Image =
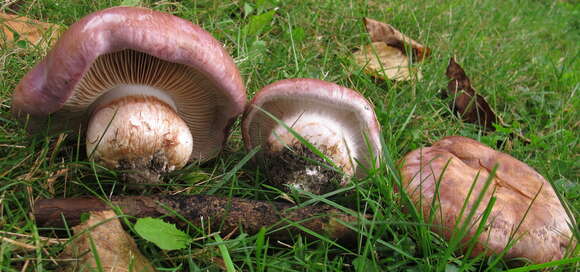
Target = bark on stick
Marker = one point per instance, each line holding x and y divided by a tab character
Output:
216	213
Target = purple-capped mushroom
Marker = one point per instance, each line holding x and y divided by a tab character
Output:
337	121
154	91
527	217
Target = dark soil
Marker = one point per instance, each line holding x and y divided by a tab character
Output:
300	168
147	170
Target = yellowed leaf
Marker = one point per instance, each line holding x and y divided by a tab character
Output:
389	55
382	32
33	31
117	250
384	61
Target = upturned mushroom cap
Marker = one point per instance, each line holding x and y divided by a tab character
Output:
456	162
188	63
335	119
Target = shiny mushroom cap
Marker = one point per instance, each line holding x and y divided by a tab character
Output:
112	63
456	163
338	121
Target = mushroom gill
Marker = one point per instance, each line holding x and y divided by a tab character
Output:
120	70
158	106
189	90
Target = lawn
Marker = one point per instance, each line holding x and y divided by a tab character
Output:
522	56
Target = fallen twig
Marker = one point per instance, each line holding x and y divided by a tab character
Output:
221	213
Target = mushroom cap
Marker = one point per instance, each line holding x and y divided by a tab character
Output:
44	91
456	162
293	97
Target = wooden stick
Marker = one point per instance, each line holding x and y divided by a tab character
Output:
218	213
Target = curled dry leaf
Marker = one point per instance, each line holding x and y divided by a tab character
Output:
15	28
387	56
381	60
116	250
381	32
471	106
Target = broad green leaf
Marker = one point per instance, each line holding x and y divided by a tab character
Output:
259	22
166	236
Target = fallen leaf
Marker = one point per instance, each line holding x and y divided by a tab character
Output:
116	250
258	23
381	32
387	56
165	235
18	28
381	60
471	106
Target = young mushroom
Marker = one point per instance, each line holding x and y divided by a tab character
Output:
337	121
154	91
527	216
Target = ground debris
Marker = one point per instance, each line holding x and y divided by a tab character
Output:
224	214
15	28
391	53
116	250
471	106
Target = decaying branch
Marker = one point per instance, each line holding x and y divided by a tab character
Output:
218	213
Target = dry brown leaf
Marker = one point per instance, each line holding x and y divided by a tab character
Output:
387	57
117	250
471	106
381	32
33	31
383	61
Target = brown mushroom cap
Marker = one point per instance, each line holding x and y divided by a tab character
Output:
324	113
456	162
189	64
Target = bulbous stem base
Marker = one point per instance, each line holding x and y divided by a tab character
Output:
140	135
293	165
300	168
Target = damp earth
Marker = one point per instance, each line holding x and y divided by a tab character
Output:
300	168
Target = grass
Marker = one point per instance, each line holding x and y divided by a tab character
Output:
521	55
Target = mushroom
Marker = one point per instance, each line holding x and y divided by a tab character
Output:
153	90
447	170
337	121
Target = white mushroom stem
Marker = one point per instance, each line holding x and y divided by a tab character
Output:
324	132
136	128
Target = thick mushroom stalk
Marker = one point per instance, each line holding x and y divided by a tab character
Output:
295	165
135	128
